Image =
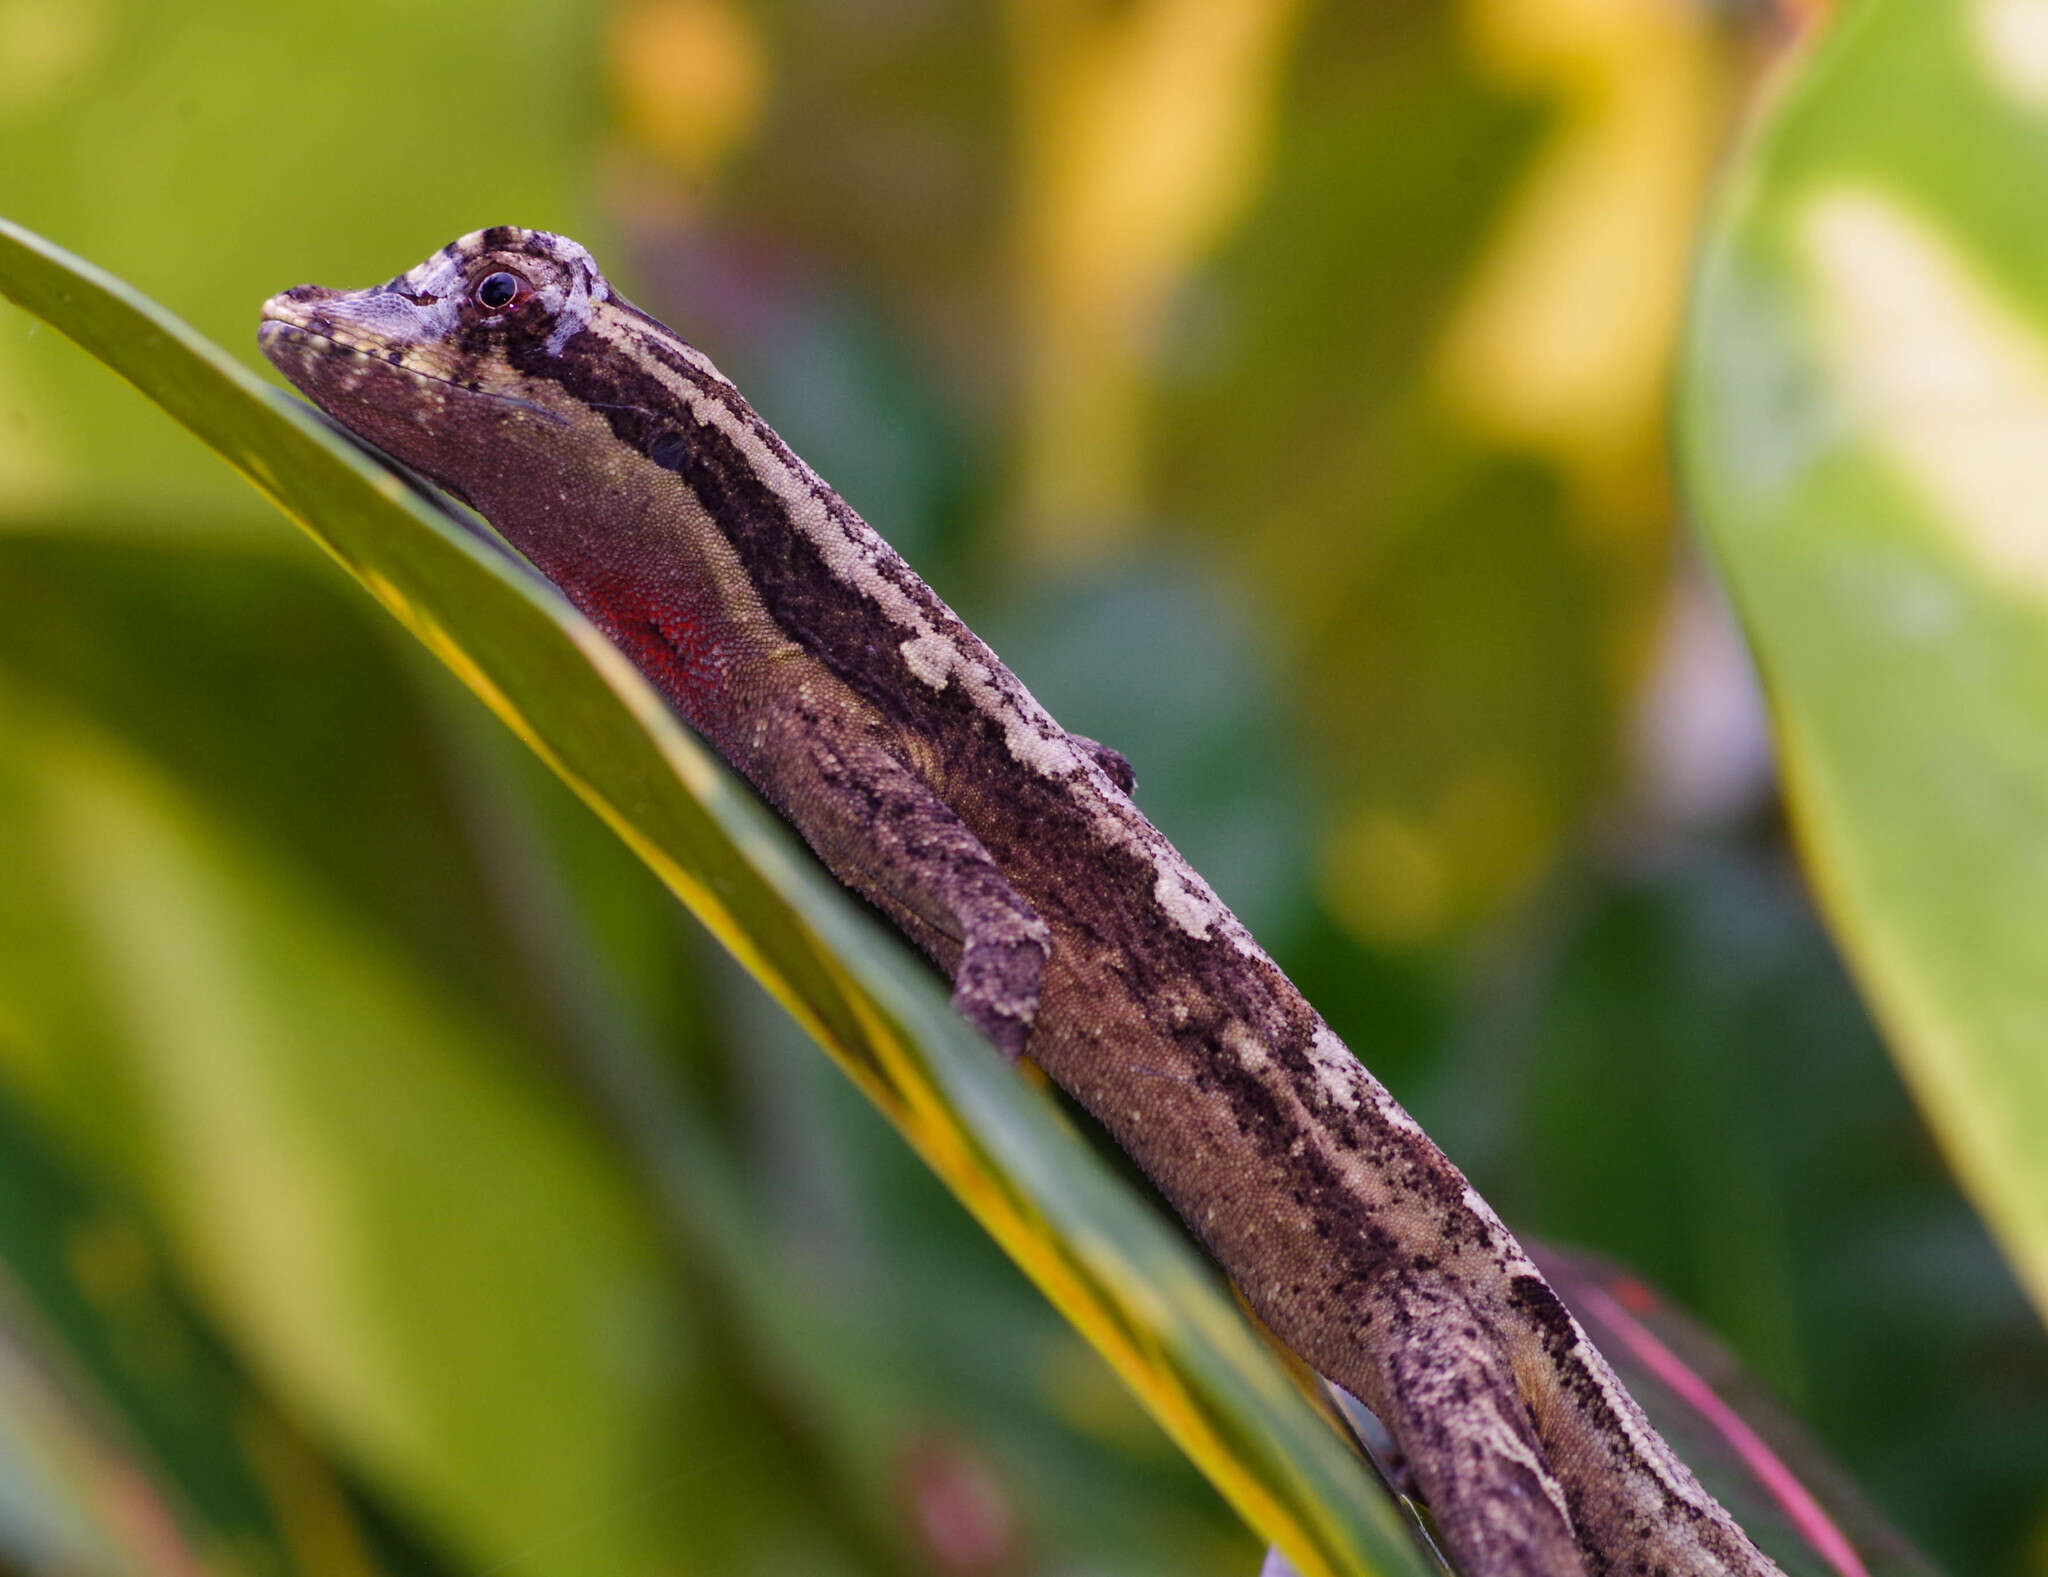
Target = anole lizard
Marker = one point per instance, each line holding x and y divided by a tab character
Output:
794	639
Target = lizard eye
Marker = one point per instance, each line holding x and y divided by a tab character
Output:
498	291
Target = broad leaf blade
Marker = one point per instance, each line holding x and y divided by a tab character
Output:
1865	415
132	1445
1105	1261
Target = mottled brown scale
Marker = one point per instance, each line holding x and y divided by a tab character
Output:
927	778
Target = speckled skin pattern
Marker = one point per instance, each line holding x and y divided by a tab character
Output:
788	633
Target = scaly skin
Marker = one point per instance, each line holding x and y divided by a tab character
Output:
616	458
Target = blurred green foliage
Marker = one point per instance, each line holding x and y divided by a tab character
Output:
1279	386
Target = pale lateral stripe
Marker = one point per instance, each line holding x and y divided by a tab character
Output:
857	556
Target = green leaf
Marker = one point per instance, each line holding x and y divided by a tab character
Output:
1131	1286
462	1287
131	1443
1865	415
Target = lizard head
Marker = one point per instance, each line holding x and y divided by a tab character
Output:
469	345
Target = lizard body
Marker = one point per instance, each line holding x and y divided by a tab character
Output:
923	773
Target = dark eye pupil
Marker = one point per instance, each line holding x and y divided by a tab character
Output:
496	290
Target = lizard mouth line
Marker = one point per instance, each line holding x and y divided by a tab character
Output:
376	358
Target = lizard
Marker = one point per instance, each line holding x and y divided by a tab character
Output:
787	632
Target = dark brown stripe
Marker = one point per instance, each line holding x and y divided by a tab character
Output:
1039	826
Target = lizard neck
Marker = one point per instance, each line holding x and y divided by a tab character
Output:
637	553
